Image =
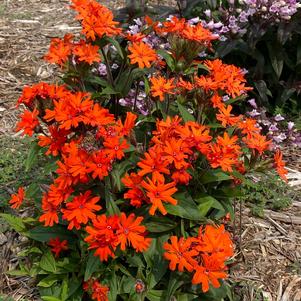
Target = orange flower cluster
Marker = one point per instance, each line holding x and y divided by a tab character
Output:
173	150
181	28
96	19
61	50
107	233
161	86
99	291
82	159
57	246
222	77
204	255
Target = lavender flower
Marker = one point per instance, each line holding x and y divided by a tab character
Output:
129	101
102	69
273	128
290	125
252	102
278	117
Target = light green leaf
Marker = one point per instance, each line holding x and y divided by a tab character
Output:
154	295
47	262
50	298
32	156
15	222
49	280
65	289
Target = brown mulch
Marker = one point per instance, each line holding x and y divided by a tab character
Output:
269	257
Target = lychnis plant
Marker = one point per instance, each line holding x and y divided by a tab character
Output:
145	155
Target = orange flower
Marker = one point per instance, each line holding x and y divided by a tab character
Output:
69	112
225	116
99	165
161	86
142	54
215	239
28	122
80	210
257	142
96	19
99	291
198	34
55	140
185	84
135	193
217	101
180	253
17	199
50	215
86	52
181	176
131	232
129	123
138	37
174	25
102	236
248	127
115	148
153	164
159	192
224	153
227	78
175	152
280	165
211	270
60	50
58	246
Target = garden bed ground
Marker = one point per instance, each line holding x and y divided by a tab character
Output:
269	257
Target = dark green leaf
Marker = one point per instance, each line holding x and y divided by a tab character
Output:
214	176
168	58
185	114
117	46
44	234
206	203
92	266
159	224
97	80
185	208
276	58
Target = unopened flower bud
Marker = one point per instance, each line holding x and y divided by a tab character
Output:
139	286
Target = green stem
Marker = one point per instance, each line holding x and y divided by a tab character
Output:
109	72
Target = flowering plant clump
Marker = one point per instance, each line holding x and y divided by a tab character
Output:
145	154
